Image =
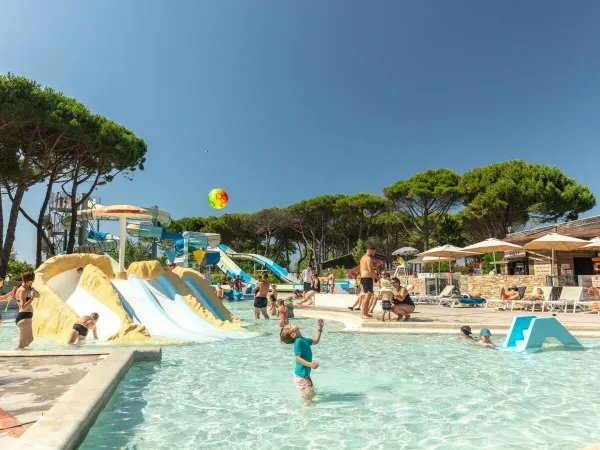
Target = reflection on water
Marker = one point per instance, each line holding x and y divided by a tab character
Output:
373	390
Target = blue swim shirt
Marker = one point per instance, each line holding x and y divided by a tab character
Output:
302	349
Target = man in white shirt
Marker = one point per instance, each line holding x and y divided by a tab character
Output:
307	278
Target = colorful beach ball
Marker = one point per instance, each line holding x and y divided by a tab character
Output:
217	198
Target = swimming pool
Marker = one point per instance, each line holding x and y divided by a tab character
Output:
376	391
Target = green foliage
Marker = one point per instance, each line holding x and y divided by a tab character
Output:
488	260
359	250
134	251
449	231
506	196
426	198
340	272
16	268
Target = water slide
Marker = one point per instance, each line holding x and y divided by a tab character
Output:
277	270
163	316
150	303
231	269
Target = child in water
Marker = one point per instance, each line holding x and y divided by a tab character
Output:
485	338
273	300
282	311
290	334
466	333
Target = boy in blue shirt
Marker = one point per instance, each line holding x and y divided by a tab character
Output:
290	334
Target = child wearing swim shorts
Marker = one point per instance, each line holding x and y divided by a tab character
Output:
290	334
387	294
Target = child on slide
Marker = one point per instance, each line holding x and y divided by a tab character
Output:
290	334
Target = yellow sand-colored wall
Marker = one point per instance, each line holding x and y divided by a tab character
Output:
54	318
149	270
94	281
208	290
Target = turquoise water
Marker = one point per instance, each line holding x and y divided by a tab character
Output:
375	391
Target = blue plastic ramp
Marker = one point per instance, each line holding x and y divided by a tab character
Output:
528	333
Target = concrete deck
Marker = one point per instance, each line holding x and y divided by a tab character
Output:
50	400
433	319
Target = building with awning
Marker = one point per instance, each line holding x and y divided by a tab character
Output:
572	263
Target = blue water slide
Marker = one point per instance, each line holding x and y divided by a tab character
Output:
203	298
230	268
277	270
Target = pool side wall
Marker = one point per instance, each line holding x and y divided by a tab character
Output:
67	424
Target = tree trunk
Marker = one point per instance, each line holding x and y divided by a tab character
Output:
73	225
1	220
38	252
10	228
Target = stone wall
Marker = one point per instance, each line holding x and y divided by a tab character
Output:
489	285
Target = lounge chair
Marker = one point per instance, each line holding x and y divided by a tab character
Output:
520	289
470	301
569	295
443	296
593	305
547	290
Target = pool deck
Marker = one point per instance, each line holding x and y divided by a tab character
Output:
50	400
433	319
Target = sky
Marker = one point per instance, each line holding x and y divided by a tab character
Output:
297	99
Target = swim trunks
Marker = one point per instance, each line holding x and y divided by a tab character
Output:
81	329
367	285
260	302
386	305
307	286
302	382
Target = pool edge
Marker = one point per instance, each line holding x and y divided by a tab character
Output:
66	425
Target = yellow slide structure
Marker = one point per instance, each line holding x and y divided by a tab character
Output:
196	278
65	295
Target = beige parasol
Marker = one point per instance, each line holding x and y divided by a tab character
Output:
492	246
555	241
593	245
447	251
121	212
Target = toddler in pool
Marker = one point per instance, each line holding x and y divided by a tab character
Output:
485	338
290	334
282	312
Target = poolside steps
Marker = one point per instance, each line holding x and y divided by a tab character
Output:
528	333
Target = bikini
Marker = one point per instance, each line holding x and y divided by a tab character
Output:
21	315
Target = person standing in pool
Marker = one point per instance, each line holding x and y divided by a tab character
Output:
290	334
82	327
367	279
260	300
24	320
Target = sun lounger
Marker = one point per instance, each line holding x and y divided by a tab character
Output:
568	296
505	303
593	305
468	301
443	296
547	290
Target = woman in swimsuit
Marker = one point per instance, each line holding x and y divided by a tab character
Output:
330	280
81	328
402	304
25	295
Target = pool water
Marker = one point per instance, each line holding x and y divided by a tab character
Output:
375	391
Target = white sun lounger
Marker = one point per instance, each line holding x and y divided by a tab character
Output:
585	304
568	295
547	290
443	296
